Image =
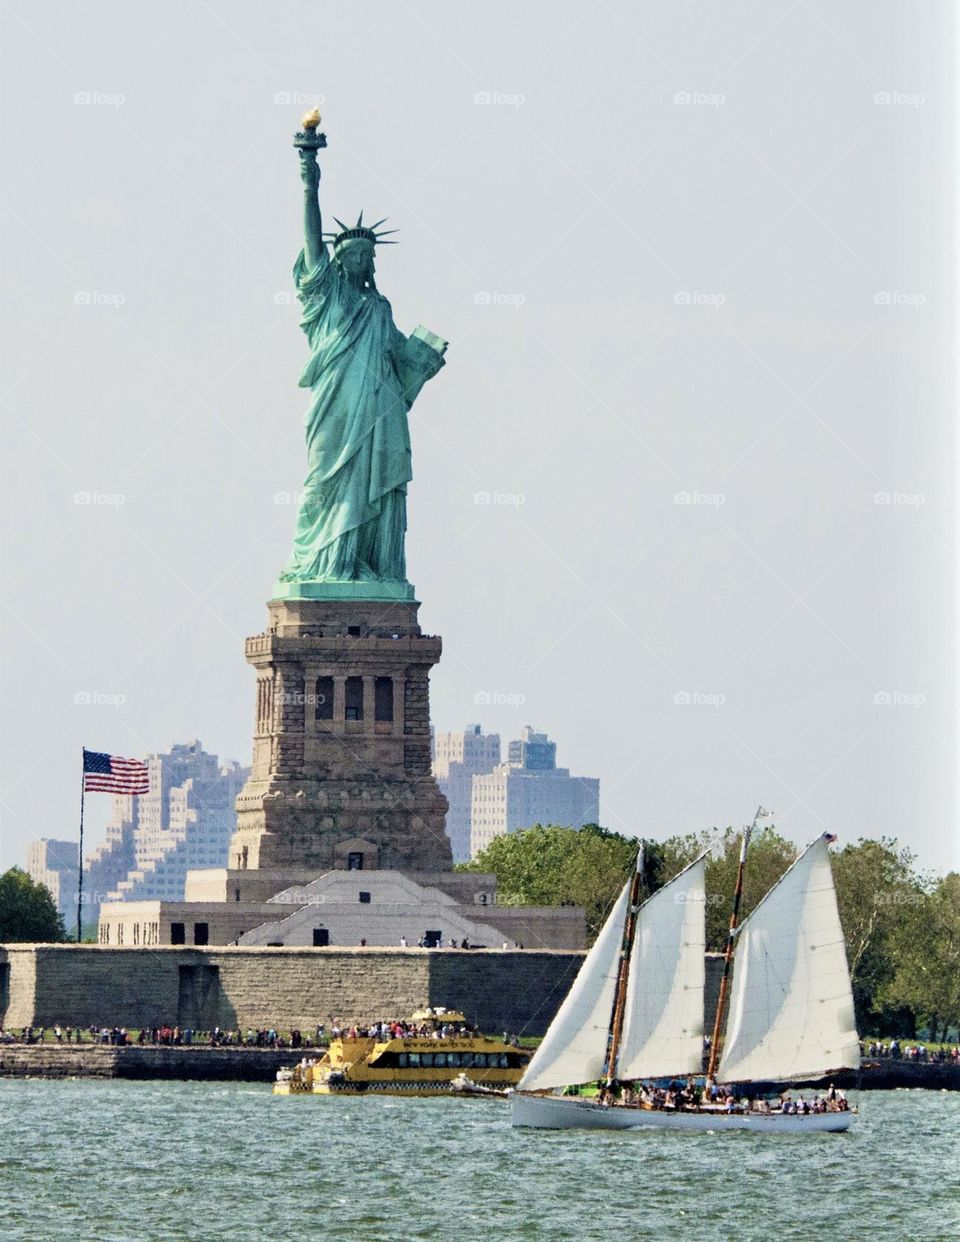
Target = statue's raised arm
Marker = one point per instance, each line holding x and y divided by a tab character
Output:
312	222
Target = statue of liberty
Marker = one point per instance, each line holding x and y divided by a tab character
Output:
363	375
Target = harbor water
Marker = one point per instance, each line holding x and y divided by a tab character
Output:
120	1161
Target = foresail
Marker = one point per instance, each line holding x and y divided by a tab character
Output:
791	1013
663	1018
574	1049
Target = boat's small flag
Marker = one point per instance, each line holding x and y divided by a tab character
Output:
113	774
830	838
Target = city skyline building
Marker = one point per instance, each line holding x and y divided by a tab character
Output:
458	757
55	865
185	821
529	789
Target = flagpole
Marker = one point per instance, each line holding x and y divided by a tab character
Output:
83	757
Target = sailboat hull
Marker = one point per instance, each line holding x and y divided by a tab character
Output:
570	1112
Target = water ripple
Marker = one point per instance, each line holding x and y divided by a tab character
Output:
182	1162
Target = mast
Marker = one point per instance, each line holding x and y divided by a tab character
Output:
623	975
728	951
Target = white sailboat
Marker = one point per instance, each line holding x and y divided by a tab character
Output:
791	1013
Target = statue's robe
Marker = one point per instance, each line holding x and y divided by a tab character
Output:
364	375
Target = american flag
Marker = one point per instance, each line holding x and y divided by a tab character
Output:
111	774
830	838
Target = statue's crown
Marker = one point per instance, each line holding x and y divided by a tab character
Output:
361	232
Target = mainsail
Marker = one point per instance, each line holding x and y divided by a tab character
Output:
792	1009
574	1049
663	1017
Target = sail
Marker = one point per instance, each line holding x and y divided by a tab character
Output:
574	1049
791	1014
663	1015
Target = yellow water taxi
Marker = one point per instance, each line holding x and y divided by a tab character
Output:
433	1052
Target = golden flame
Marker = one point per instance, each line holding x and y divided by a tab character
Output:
311	119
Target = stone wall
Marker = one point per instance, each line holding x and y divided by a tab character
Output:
84	985
176	1064
254	987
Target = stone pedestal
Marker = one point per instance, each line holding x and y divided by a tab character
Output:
341	755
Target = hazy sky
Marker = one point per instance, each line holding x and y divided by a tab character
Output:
683	252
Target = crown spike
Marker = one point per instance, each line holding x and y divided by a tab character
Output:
361	232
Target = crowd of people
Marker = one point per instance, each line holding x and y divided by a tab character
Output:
894	1050
693	1095
162	1036
434	942
401	1030
264	1037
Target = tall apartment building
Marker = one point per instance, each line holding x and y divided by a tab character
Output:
185	821
529	789
457	758
55	865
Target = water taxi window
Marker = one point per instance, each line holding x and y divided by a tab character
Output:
426	1058
413	1058
402	1060
439	1058
502	1060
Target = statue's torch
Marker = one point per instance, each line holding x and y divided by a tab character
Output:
309	138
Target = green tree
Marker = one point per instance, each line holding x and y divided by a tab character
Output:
549	866
876	887
768	858
925	952
552	866
27	911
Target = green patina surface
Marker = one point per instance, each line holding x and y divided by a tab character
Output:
363	375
